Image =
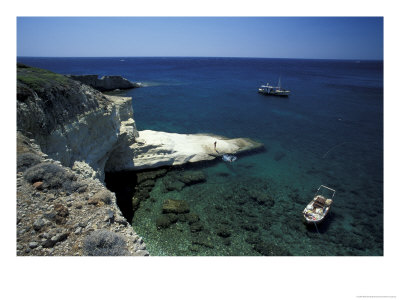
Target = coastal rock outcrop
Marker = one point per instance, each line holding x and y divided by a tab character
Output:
105	83
68	136
153	149
72	122
93	133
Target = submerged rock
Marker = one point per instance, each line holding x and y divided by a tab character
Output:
192	177
175	206
147	184
150	175
269	249
223	231
192	218
202	240
196	227
176	182
182	218
135	203
171	184
165	220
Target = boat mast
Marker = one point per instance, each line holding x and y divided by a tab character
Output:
279	82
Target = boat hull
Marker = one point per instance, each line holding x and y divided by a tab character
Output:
279	94
311	221
310	218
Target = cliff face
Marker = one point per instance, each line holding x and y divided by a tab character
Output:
60	212
72	122
93	133
105	83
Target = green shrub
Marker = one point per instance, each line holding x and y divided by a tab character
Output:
27	160
38	78
105	243
52	176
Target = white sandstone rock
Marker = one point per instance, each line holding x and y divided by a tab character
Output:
155	148
87	143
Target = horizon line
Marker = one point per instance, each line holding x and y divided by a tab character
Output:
173	56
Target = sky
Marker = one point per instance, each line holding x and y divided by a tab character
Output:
270	37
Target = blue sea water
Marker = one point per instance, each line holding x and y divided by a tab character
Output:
329	131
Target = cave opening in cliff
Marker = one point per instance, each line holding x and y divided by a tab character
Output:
123	184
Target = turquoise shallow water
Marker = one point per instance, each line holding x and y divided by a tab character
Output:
329	131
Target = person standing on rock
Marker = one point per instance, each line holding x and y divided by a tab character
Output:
215	146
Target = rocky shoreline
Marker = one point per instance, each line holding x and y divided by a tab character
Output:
154	149
54	219
69	136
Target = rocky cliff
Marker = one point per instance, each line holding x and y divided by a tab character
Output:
105	83
69	135
60	212
72	122
62	207
93	133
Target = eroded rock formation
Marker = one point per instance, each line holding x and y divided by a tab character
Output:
92	133
72	122
105	83
69	135
153	149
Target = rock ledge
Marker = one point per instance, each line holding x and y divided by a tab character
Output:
105	83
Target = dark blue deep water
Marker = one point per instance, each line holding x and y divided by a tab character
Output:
329	131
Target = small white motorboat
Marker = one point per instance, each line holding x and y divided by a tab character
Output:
229	158
319	207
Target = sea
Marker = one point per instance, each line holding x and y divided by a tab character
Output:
329	132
